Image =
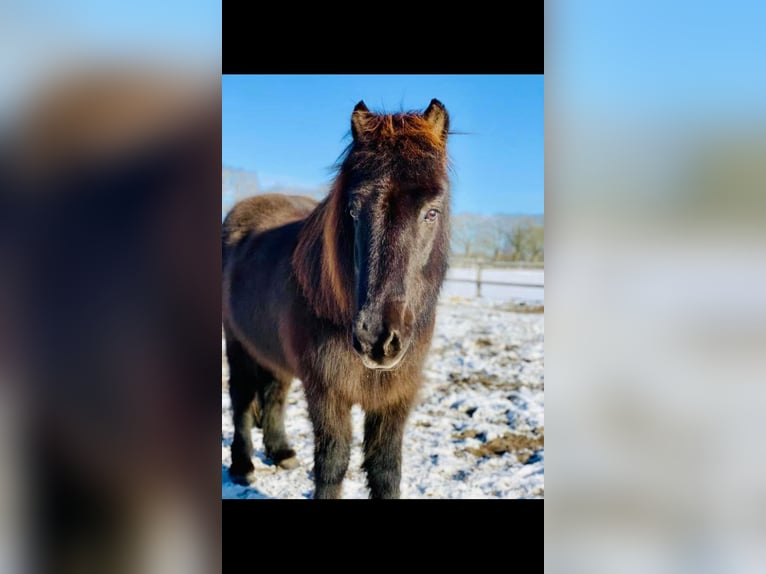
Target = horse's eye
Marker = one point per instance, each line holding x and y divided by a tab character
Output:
353	212
432	214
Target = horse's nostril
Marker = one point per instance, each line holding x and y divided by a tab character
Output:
364	327
393	345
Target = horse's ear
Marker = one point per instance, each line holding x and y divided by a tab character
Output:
359	117
437	117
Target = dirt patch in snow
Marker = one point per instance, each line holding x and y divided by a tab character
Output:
522	445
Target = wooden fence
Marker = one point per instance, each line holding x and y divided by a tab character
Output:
481	266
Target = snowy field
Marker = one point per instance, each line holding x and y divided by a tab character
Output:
478	429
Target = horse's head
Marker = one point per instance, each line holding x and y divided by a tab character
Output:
397	202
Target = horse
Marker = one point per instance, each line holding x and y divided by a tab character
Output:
341	294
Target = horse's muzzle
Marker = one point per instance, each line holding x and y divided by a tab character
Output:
380	345
386	353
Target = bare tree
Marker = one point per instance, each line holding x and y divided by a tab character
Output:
522	241
464	235
517	242
535	243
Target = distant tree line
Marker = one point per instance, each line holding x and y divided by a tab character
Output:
492	237
499	237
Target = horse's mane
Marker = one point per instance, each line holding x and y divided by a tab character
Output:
322	267
322	260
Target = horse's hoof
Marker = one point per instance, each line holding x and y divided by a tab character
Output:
289	463
284	458
246	479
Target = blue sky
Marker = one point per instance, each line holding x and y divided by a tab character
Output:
291	129
191	28
659	61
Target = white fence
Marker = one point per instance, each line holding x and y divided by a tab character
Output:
495	280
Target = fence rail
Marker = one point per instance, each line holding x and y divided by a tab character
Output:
479	281
497	264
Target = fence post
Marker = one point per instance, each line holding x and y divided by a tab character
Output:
478	281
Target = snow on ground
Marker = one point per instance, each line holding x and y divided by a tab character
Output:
477	432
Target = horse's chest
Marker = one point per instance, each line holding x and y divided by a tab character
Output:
377	389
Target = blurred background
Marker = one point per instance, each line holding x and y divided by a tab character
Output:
478	430
656	308
109	157
655	213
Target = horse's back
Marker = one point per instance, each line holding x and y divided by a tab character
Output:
259	236
260	213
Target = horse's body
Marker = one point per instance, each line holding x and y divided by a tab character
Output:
342	295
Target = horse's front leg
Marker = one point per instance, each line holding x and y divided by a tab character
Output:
331	418
383	433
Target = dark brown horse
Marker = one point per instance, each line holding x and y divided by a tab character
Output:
341	294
